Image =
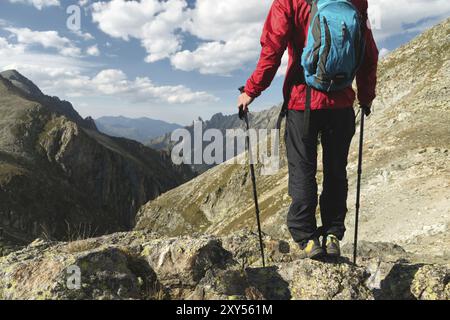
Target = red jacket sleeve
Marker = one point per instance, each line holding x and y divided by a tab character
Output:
366	78
274	40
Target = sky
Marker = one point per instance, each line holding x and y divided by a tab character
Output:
173	60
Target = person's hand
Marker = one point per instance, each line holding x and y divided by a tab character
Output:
244	101
367	109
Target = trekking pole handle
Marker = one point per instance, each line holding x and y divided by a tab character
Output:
242	113
366	110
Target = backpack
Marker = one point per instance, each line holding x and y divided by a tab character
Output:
335	45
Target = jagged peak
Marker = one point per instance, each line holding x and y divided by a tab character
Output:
21	82
90	123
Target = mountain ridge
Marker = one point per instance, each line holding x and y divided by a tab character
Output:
59	175
265	119
141	129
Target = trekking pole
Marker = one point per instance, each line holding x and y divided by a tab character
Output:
358	186
244	116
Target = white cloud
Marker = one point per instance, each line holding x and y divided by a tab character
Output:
220	20
93	51
70	83
39	4
229	31
69	77
152	22
10	50
393	18
217	57
84	35
46	39
113	82
41	68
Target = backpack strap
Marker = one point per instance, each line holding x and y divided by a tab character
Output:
307	114
284	107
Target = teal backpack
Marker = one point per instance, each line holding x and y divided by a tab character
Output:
335	45
334	51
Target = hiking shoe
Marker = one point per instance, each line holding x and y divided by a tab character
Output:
313	249
331	245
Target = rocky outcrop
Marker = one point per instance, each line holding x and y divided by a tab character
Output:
61	178
139	265
401	275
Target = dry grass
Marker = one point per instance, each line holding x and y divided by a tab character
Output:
81	231
80	246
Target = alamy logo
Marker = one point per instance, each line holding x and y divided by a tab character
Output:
214	147
73	278
73	22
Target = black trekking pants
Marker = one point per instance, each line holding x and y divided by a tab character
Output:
336	129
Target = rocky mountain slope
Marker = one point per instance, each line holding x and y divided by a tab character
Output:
260	120
406	177
140	265
60	177
142	129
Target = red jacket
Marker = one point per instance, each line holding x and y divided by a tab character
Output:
287	22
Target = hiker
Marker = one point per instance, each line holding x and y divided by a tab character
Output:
318	103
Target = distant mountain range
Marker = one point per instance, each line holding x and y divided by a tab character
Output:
265	119
141	129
